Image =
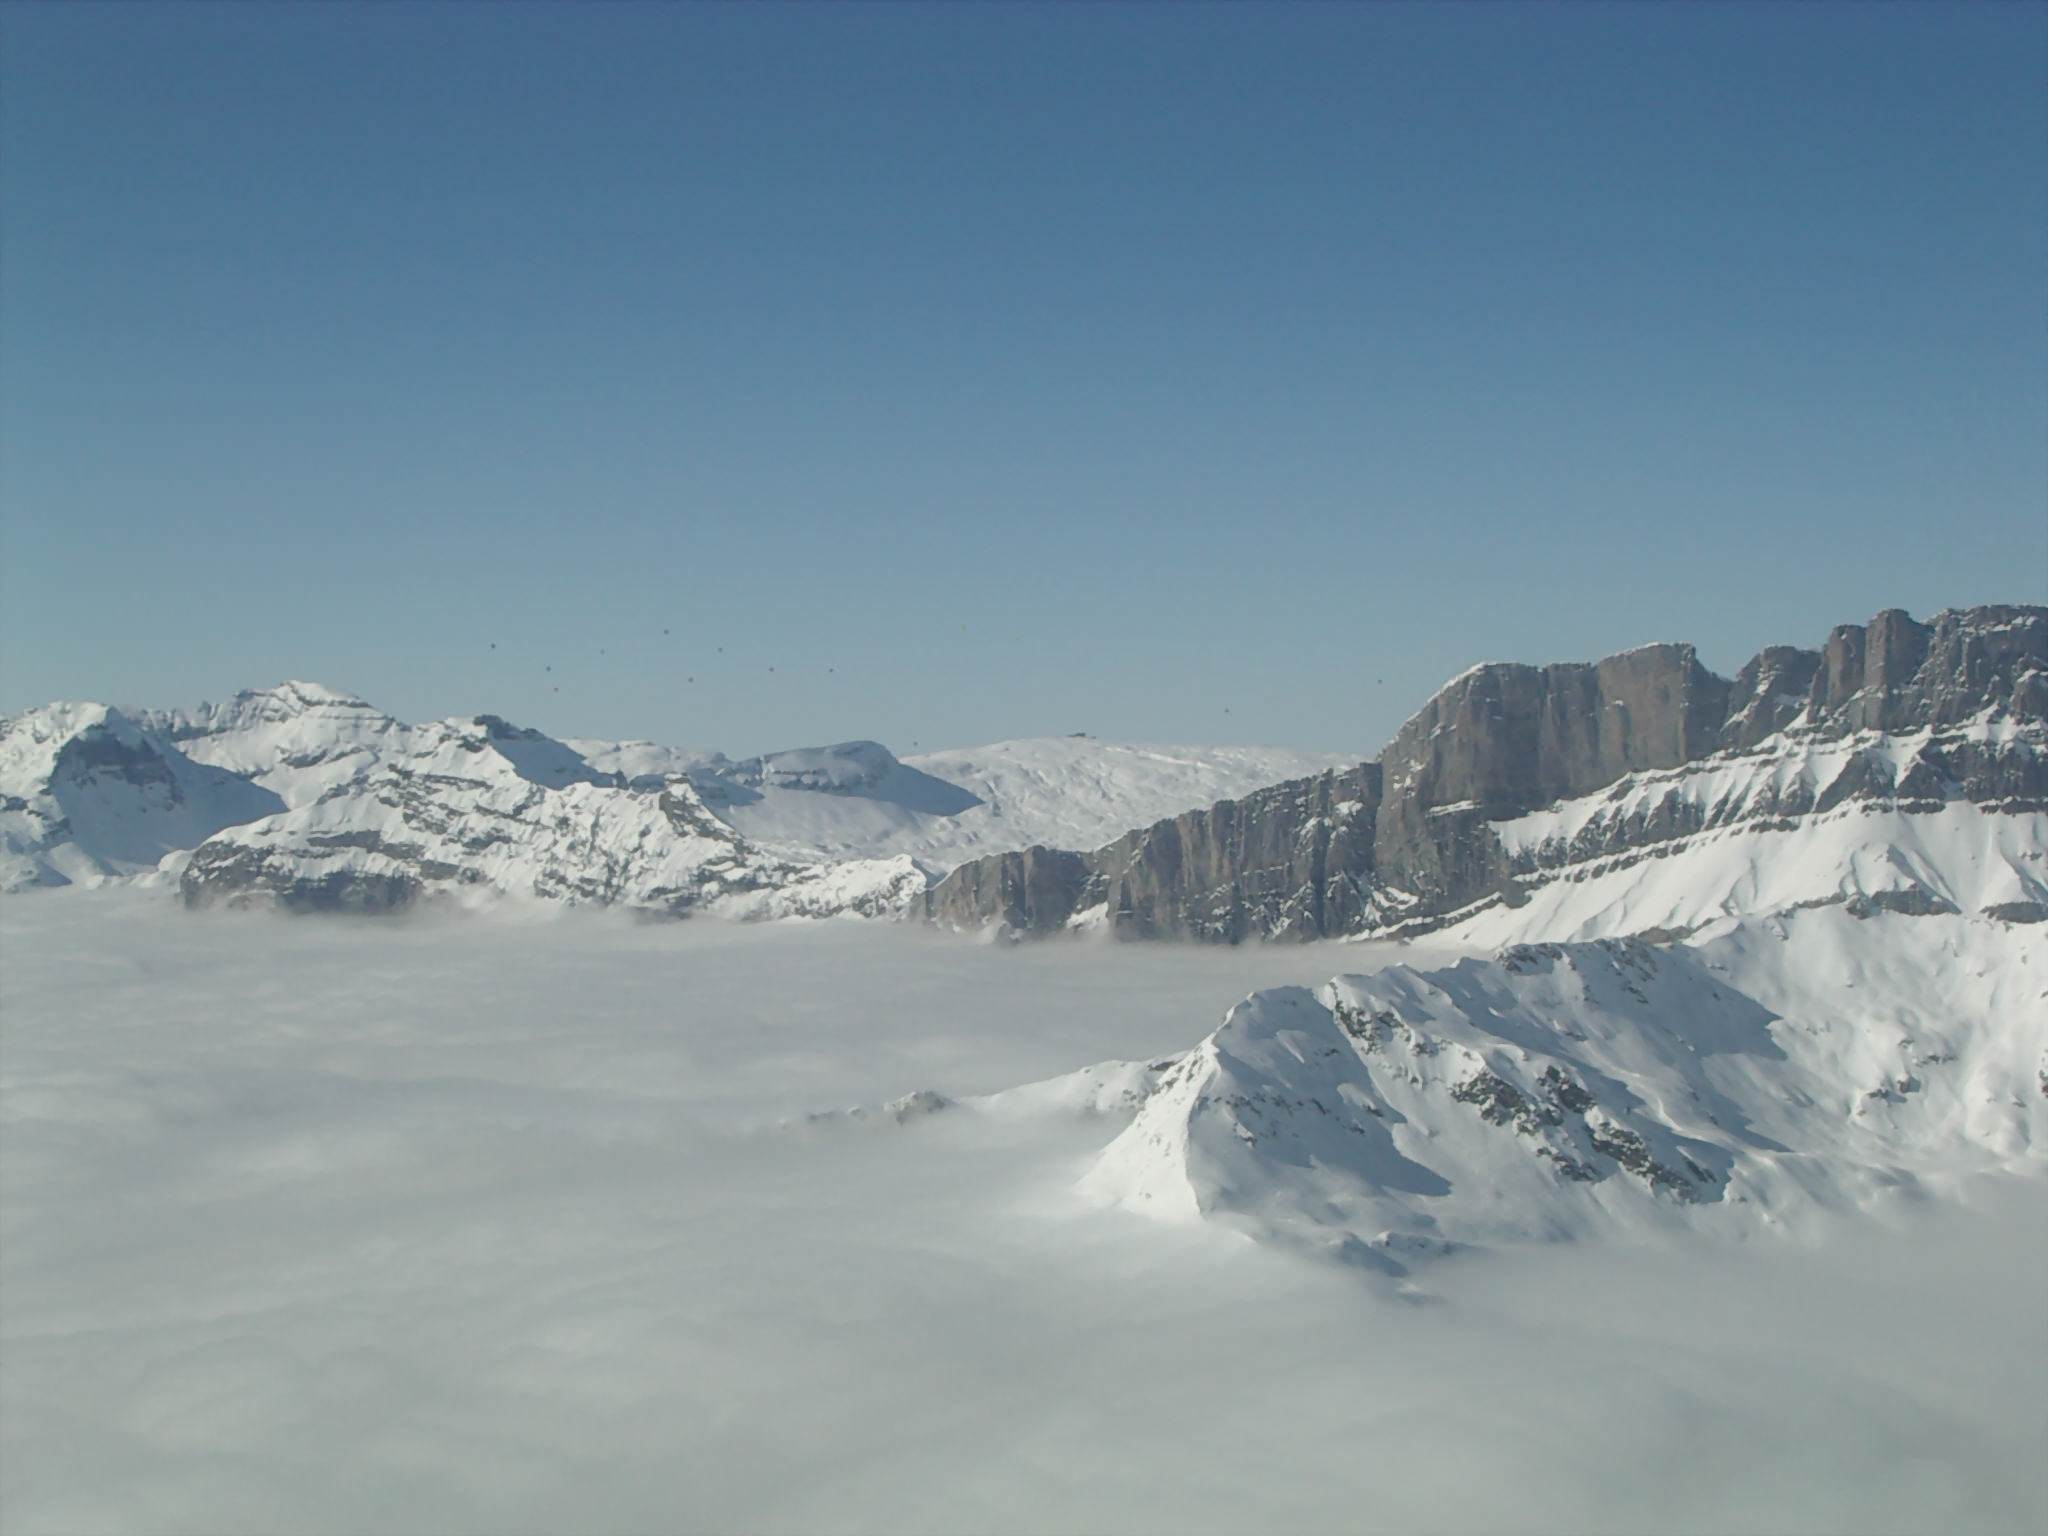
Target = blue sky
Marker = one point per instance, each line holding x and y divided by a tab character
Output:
1179	373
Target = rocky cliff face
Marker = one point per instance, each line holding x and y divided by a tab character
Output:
1652	747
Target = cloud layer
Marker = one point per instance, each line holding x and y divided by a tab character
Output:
466	1226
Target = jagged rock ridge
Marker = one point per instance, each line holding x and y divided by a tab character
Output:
1642	755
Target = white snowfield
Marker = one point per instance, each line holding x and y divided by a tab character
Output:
1962	858
87	793
1070	792
1749	856
298	740
857	800
1808	1061
1564	1090
486	813
309	755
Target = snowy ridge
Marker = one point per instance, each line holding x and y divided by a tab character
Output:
480	809
1869	820
1901	764
1077	792
300	745
88	795
1861	856
299	740
1562	1090
858	800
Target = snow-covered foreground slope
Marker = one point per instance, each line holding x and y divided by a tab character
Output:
1609	1087
444	1226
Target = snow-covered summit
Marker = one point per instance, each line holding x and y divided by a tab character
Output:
300	744
298	739
478	810
87	794
1558	1090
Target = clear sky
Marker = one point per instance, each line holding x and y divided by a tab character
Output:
1164	372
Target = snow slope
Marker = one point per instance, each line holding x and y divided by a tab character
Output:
1865	855
1758	831
1077	792
87	795
299	740
479	809
857	800
300	744
1809	1059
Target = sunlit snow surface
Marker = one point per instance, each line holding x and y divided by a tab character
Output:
450	1225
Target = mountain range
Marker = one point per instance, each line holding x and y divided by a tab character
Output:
1898	764
1648	946
311	798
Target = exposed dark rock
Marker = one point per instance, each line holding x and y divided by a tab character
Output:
1409	841
1034	891
1633	1153
2018	912
1501	1103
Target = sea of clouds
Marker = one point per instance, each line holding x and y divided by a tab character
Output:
445	1225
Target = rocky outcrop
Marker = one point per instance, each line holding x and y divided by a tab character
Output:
1037	890
1895	674
1287	862
1652	746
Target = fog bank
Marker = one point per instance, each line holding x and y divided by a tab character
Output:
469	1226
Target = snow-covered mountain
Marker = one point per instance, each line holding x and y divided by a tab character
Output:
363	810
1555	1090
87	794
857	800
297	740
1713	952
1811	1058
480	808
1901	763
